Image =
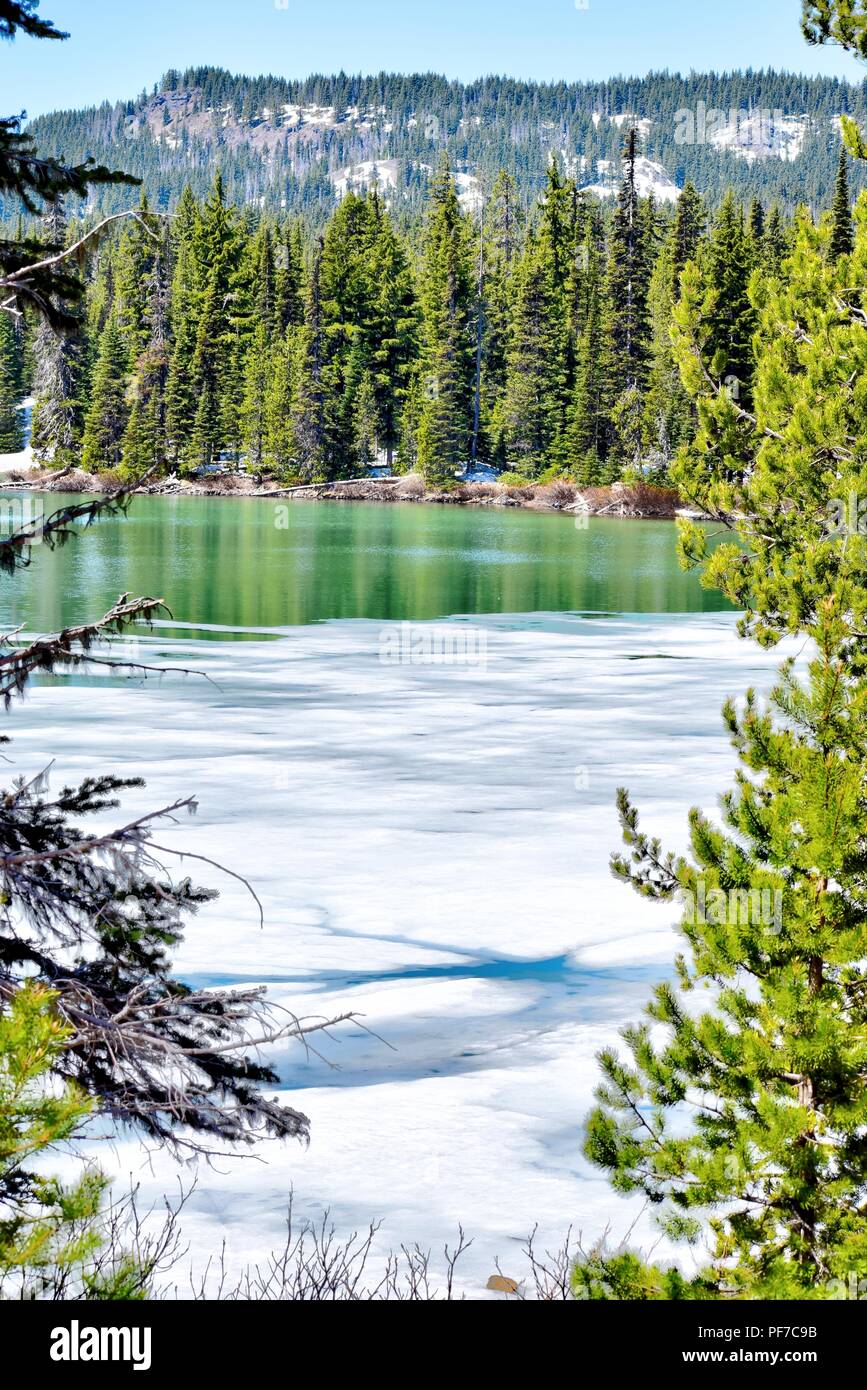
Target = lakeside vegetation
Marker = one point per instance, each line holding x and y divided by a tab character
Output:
547	345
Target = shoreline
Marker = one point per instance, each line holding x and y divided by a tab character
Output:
642	501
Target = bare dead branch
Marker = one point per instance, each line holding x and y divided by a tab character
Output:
71	647
16	279
55	529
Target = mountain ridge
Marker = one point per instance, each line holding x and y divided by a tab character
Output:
298	145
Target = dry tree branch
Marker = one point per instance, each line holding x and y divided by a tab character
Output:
16	275
72	647
204	859
126	835
55	529
19	281
130	1030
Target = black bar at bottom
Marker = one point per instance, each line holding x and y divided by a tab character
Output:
59	1341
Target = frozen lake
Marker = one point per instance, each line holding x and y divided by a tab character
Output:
430	842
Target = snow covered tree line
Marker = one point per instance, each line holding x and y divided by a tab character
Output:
540	342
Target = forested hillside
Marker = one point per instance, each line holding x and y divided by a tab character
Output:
539	340
298	146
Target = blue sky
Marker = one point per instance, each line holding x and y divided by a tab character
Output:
119	47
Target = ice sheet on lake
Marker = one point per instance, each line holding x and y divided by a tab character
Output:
430	844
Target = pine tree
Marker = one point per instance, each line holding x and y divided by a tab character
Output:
11	434
307	411
590	415
264	278
289	290
502	236
728	316
843	235
253	329
689	225
108	411
775	241
629	275
280	451
57	366
530	414
254	408
145	443
49	1231
366	421
558	256
215	365
800	441
393	331
668	412
139	449
775	924
99	306
295	435
347	312
775	905
407	447
556	228
756	226
136	257
306	406
478	329
180	397
447	355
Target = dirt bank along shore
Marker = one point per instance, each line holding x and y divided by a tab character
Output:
618	499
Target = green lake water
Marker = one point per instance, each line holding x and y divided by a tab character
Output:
248	563
429	842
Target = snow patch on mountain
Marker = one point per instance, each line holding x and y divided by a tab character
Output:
470	195
370	173
762	135
625	118
650	178
296	116
383	175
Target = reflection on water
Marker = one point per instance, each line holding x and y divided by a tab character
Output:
218	560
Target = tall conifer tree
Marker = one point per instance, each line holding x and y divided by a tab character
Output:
57	365
531	413
108	411
843	233
11	434
447	357
629	274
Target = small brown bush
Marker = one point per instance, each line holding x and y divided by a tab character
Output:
642	499
557	494
77	481
649	497
411	488
110	480
228	482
